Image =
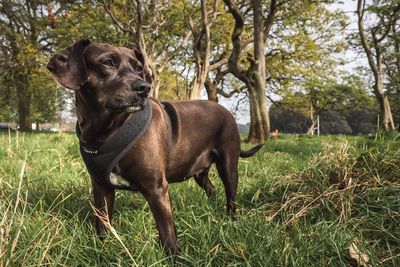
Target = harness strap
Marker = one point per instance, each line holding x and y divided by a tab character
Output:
101	160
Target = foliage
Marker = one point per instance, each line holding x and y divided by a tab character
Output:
328	94
332	100
305	45
7	99
334	122
23	76
288	120
72	21
173	87
362	120
302	50
356	121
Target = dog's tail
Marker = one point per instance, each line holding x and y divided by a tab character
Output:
251	152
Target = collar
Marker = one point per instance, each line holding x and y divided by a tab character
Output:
101	160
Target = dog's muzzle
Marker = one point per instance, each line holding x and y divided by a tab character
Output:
142	88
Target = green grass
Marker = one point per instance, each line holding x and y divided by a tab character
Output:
301	202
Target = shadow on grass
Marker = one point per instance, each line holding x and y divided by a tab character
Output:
69	200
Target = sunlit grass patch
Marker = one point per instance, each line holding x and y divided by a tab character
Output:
301	202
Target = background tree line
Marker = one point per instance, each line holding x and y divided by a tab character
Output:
278	56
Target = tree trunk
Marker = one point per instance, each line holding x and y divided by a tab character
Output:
262	108
252	136
388	122
311	129
211	89
385	112
24	103
155	85
200	78
197	85
261	128
259	123
201	51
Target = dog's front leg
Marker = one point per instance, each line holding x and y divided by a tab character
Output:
104	204
158	198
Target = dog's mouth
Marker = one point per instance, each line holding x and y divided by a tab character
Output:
125	107
128	108
127	104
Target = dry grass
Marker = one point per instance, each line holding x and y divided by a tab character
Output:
323	201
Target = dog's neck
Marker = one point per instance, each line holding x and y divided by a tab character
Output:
95	122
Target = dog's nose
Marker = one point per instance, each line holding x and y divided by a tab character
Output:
141	87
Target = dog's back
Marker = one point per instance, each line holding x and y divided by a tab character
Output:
200	131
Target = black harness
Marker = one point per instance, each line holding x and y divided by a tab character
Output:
100	161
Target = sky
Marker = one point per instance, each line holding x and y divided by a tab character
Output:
353	59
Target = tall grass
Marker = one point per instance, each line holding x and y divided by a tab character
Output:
322	201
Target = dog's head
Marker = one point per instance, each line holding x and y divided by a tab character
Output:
115	77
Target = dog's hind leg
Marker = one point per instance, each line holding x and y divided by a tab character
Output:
204	182
227	170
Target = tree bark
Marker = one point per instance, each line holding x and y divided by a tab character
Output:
211	89
387	121
313	118
257	130
260	72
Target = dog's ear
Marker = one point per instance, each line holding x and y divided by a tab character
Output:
146	71
69	67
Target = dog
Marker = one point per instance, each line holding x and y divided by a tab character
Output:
182	140
275	134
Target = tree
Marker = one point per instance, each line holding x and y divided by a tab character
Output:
334	122
392	59
203	52
323	95
288	120
254	75
362	120
46	97
69	21
372	40
8	101
295	45
21	24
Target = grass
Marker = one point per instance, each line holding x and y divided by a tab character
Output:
321	201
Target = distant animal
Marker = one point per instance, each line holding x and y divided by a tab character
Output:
275	134
155	143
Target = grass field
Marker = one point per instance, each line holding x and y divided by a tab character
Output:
321	201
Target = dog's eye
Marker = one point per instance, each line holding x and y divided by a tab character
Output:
138	67
108	62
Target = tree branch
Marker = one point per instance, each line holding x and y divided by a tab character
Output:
360	13
233	61
122	26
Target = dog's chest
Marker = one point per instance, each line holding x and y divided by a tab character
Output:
119	181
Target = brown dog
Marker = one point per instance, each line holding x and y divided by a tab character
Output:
182	141
275	134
